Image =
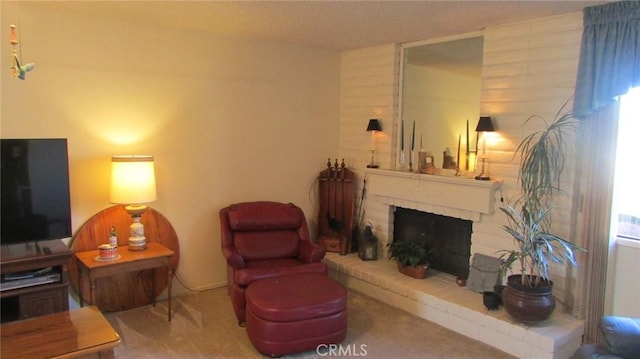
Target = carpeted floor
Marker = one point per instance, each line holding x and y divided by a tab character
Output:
203	326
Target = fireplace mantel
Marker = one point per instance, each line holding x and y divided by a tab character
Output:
450	196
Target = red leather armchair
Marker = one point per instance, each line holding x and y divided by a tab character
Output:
263	240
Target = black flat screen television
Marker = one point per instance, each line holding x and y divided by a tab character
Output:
35	198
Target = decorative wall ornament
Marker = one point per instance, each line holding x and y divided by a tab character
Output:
19	70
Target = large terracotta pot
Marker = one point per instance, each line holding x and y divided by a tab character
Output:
419	272
528	304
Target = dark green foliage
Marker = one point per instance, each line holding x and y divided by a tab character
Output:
410	252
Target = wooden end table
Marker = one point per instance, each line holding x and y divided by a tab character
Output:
68	334
155	256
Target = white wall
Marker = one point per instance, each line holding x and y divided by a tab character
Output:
528	68
369	89
227	120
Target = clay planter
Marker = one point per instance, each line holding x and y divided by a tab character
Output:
418	272
528	304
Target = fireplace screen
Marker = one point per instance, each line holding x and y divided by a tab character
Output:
449	237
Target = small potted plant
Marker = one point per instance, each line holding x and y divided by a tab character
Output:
412	255
527	295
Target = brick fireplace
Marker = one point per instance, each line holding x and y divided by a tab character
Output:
454	197
449	238
437	298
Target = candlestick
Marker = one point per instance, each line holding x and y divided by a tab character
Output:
413	136
458	158
476	143
468	151
411	161
421	142
402	135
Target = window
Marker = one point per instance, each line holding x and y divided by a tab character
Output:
626	203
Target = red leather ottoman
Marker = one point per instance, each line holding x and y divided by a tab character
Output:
295	313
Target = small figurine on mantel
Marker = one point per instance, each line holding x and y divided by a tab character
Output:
447	160
426	162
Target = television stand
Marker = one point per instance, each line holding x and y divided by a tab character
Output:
34	298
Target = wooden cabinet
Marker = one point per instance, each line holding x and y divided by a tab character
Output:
337	188
39	299
44	301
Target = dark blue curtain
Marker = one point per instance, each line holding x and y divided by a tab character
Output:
609	57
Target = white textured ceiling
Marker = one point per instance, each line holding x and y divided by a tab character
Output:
336	25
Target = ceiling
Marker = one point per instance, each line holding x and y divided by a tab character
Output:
338	25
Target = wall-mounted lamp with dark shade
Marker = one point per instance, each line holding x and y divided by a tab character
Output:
485	124
373	126
133	183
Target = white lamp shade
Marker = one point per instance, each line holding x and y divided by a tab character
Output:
133	180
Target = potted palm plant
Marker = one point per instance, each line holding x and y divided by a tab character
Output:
527	295
413	256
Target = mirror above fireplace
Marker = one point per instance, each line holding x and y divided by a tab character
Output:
440	91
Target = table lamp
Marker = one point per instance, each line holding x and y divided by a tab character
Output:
133	183
373	127
485	124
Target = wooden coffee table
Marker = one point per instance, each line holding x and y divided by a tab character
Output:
61	335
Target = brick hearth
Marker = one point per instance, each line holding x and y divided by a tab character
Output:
438	299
